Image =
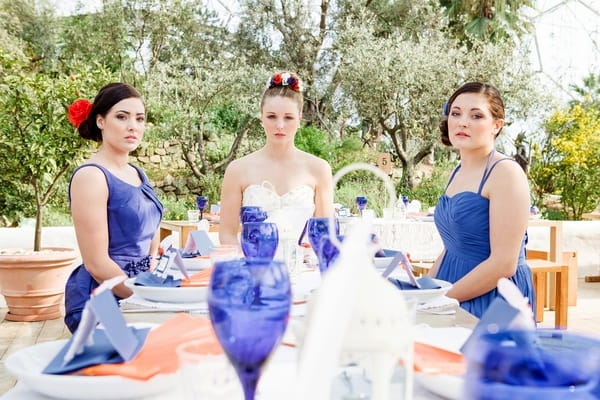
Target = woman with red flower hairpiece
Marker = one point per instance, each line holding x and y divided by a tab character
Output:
115	211
279	176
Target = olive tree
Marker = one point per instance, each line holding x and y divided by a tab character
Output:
398	84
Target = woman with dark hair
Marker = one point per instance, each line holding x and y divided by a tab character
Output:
279	176
115	211
482	215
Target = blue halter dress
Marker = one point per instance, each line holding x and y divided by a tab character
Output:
134	214
463	223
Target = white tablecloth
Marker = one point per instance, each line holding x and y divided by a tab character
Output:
418	237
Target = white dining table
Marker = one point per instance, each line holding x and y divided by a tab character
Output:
279	374
418	237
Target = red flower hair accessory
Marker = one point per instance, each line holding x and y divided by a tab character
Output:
285	79
79	111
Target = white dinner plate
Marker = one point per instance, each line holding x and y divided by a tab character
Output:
448	387
27	365
193	294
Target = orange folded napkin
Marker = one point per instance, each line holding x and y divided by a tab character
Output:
158	355
434	360
200	278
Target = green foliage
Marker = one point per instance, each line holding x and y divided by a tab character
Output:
361	184
490	20
34	130
176	209
568	162
315	141
429	190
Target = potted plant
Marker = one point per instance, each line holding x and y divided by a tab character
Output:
39	148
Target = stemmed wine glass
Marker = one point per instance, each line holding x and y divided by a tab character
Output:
329	252
316	229
259	240
249	304
201	203
361	203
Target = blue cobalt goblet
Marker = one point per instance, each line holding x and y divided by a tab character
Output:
249	304
253	216
329	252
259	240
361	203
249	208
315	228
201	203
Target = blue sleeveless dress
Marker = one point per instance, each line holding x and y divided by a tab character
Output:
463	223
134	214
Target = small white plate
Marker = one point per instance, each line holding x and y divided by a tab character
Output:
27	365
382	262
192	294
424	295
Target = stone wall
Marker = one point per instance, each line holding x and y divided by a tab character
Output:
166	168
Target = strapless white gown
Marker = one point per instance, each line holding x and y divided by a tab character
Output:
289	210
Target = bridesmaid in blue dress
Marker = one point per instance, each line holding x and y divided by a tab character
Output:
482	215
115	211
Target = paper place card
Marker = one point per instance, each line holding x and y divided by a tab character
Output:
198	244
498	316
169	257
102	308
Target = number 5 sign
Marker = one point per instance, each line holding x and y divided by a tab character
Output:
384	162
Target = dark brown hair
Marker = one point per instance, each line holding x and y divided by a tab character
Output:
106	98
494	99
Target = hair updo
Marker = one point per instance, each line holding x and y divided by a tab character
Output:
106	98
284	84
496	105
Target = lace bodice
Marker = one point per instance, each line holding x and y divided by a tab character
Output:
267	198
289	210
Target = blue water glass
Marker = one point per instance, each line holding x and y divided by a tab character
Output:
534	365
361	203
253	216
201	203
315	228
328	253
405	201
249	208
249	304
259	240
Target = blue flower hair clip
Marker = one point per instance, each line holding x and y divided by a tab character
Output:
446	108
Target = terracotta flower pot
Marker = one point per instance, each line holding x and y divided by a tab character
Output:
33	284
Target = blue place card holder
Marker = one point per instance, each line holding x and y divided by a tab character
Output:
101	308
198	244
498	316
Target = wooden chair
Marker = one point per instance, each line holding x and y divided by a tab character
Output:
540	270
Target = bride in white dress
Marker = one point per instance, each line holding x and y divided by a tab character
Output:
286	181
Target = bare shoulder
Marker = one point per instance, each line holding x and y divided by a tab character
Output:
89	174
507	174
242	163
509	168
89	181
316	164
